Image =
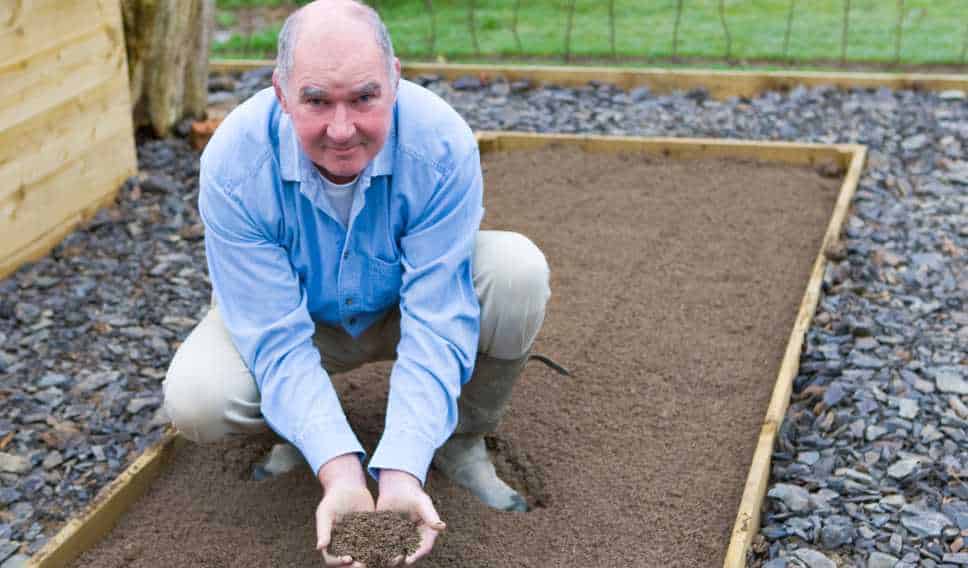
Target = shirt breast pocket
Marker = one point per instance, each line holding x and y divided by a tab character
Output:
382	284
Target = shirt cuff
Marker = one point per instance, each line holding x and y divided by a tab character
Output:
406	451
322	442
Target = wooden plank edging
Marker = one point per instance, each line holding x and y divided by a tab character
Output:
792	153
748	516
82	533
720	84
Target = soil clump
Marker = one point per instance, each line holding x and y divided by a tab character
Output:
375	539
675	285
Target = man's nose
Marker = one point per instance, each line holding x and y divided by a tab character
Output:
341	128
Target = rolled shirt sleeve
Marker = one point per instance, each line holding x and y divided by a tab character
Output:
265	310
439	323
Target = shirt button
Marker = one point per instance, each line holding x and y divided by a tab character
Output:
346	254
352	321
349	301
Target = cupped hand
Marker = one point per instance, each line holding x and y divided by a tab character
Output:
401	491
344	491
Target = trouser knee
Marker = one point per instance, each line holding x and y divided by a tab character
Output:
511	277
209	392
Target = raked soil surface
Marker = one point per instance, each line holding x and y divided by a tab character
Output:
674	289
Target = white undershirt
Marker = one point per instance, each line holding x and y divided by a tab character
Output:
341	197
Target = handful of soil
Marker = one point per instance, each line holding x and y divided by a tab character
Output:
374	539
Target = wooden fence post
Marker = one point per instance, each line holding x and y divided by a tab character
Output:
729	39
611	26
789	27
675	29
964	45
843	35
571	22
433	28
898	31
473	27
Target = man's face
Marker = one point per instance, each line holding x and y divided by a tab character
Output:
340	99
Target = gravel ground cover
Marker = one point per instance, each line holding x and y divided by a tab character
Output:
871	458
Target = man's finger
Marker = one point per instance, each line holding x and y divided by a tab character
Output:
428	514
335	561
427	538
324	528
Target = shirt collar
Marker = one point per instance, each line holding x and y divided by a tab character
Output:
294	165
289	150
383	162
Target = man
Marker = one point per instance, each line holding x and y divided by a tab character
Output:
342	210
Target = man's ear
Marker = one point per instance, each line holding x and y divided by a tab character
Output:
280	93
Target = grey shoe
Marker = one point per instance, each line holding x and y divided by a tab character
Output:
282	458
463	459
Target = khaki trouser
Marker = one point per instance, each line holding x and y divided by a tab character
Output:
210	393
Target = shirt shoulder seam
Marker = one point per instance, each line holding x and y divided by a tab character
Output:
438	166
230	187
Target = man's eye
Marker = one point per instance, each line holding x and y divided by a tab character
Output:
364	98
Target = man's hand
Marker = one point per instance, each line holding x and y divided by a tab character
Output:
344	491
401	491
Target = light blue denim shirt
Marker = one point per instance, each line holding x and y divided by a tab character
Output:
280	261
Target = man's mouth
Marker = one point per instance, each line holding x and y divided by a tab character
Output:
342	148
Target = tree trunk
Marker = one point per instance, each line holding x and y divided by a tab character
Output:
167	43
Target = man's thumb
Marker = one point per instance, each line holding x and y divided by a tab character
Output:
324	526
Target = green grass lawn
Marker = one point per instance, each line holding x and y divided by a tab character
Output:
933	31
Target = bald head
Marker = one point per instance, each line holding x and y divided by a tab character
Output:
327	16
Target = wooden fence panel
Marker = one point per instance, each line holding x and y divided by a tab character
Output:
66	139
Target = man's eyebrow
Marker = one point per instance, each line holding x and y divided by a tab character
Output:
312	92
370	88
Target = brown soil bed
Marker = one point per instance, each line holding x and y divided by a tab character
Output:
674	289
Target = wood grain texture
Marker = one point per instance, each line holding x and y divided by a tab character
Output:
46	24
32	210
41	245
61	135
30	87
66	138
167	47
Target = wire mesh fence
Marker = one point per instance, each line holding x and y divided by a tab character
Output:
730	31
